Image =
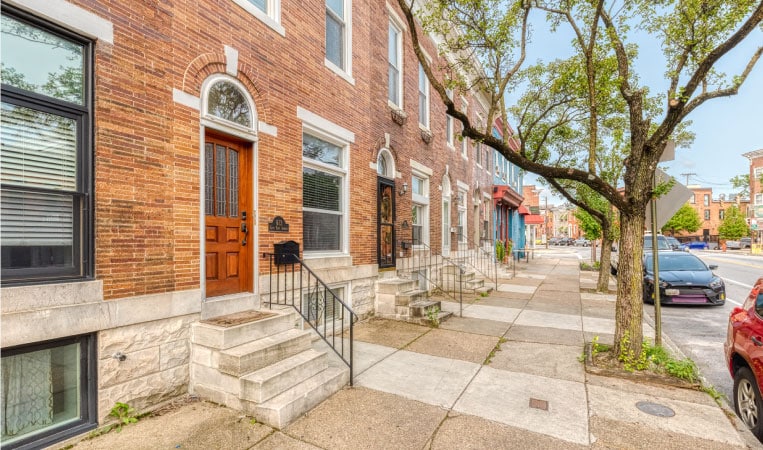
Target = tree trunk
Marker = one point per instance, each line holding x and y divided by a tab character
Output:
630	269
604	264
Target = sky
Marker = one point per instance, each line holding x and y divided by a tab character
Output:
724	128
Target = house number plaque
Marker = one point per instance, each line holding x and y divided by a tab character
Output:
278	225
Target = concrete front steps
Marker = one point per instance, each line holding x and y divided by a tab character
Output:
401	299
471	283
259	363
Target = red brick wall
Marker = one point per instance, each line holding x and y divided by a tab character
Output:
147	188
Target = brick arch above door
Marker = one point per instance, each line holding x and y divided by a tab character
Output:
206	65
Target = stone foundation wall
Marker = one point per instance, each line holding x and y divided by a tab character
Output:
363	297
155	368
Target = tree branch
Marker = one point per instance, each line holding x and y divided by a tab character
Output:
734	90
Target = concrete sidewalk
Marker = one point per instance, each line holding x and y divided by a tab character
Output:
504	375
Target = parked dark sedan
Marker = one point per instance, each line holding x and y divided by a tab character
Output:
684	279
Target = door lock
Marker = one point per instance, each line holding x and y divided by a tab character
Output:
244	228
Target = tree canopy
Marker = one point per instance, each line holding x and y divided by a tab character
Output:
685	219
570	100
734	225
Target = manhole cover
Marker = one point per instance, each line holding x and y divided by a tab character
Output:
655	409
238	318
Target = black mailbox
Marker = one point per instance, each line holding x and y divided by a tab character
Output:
286	252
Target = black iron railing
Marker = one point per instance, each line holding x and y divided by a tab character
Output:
479	256
434	272
294	284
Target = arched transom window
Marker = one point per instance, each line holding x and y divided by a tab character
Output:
385	165
226	101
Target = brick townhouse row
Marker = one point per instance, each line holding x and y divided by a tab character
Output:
153	153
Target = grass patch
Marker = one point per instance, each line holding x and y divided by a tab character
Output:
590	267
653	363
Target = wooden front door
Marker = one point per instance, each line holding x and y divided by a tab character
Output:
228	213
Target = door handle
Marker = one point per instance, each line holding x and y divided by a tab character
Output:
244	230
756	341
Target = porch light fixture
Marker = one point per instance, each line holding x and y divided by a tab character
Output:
404	188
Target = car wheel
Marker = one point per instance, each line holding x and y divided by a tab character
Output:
747	402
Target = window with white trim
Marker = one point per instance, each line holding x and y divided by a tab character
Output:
385	165
324	204
449	123
420	209
423	98
462	228
45	222
337	33
464	146
478	153
706	200
758	171
759	199
395	64
267	11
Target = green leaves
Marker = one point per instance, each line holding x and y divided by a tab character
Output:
685	219
734	225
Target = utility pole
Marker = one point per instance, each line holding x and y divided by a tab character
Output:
687	175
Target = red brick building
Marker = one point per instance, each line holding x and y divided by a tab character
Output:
155	154
711	213
756	192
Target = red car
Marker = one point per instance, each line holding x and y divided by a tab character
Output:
744	356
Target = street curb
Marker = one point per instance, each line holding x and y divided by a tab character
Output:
727	408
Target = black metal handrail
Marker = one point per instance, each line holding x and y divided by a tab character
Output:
294	284
431	266
479	257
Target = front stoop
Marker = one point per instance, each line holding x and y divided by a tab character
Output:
401	299
471	283
264	367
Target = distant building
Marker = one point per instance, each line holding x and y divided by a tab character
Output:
534	230
756	191
711	213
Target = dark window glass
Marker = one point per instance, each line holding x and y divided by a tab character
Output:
322	231
233	181
47	389
260	4
321	190
209	177
227	102
321	195
220	190
335	32
321	151
39	61
45	155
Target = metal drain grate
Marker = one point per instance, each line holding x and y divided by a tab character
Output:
655	409
539	404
